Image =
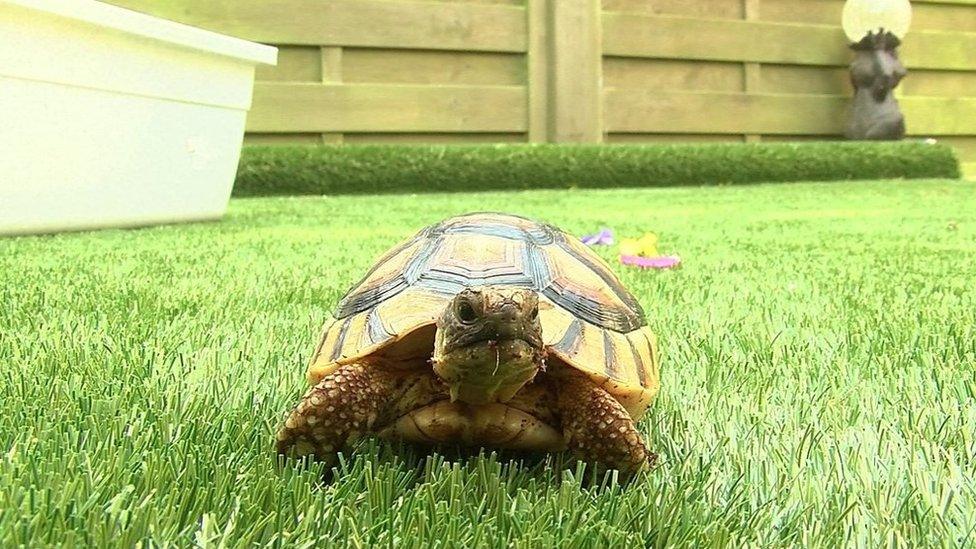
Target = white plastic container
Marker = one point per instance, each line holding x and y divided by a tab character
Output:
111	118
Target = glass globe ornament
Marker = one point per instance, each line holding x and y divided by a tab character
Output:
863	17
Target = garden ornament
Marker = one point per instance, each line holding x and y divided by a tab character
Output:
486	330
875	73
875	29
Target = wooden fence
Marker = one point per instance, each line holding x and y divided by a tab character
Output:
579	70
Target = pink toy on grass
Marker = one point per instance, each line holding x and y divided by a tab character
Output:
635	252
659	262
642	252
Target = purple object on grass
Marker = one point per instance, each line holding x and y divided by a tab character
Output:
602	238
660	262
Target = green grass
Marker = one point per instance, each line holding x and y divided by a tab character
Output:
368	169
819	383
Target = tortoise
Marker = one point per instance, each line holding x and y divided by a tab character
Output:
485	329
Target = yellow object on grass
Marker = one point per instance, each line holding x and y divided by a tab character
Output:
645	246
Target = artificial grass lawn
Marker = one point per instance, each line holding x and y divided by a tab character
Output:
818	383
369	169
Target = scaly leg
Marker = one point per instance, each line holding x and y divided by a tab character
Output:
344	405
598	429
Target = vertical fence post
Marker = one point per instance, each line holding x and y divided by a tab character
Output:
575	71
331	74
537	73
752	71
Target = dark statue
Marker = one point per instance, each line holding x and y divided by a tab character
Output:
875	72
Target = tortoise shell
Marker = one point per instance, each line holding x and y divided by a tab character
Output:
590	321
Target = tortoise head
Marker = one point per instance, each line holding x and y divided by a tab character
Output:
489	343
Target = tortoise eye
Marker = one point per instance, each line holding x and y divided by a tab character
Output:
465	312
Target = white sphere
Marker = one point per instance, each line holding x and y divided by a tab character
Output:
864	16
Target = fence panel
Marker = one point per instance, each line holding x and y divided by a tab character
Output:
414	71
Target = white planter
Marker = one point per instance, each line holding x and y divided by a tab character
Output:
109	117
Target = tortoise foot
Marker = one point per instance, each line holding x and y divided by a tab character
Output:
337	410
599	430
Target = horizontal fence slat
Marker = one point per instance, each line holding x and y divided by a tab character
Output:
939	115
822	12
366	23
940	83
397	66
432	138
787	138
946	17
427	26
282	139
673	138
939	50
642	111
299	107
730	9
504	2
671	74
630	34
805	79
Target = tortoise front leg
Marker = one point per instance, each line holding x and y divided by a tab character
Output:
341	407
598	429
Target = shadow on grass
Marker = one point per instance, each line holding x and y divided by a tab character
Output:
434	464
